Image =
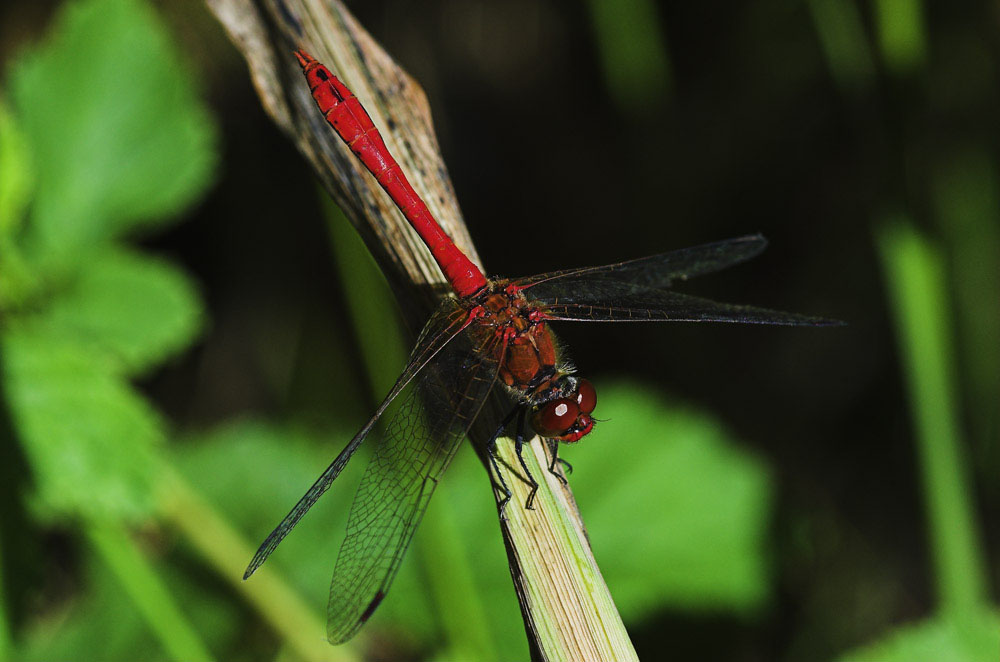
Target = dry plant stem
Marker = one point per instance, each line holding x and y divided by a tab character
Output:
568	611
556	577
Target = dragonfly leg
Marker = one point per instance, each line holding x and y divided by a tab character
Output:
491	448
503	484
553	445
518	448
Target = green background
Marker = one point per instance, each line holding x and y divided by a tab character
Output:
189	331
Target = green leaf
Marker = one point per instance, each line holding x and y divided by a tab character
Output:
103	619
254	472
89	438
16	179
139	309
16	182
973	638
104	622
118	136
677	512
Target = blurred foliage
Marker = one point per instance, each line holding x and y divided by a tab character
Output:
98	312
709	549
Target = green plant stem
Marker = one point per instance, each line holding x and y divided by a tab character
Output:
148	593
632	51
376	326
227	552
901	34
967	211
842	38
914	271
452	587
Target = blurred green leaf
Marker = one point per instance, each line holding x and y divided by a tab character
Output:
254	472
147	591
139	309
103	624
16	182
678	520
466	497
16	179
90	439
975	638
118	136
677	512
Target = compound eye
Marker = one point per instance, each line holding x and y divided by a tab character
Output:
586	396
555	418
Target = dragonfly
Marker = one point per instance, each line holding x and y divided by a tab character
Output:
487	336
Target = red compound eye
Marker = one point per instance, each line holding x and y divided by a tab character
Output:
555	418
586	396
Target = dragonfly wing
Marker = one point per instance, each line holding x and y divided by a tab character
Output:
415	448
610	301
446	323
660	271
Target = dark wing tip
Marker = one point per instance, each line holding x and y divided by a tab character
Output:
338	633
372	606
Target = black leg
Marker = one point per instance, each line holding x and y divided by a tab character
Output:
519	448
491	448
503	484
553	445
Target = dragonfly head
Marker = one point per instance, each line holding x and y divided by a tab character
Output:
566	417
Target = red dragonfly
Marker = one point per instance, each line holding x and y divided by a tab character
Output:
492	336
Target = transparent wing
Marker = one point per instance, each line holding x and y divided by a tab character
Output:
623	302
446	323
419	442
658	271
637	290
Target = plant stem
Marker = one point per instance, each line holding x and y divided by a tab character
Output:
227	552
152	599
376	326
265	33
914	271
573	616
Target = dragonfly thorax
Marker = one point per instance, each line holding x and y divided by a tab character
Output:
523	343
560	404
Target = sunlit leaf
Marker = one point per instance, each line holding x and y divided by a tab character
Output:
677	512
139	309
973	638
16	182
89	438
117	134
254	472
15	174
